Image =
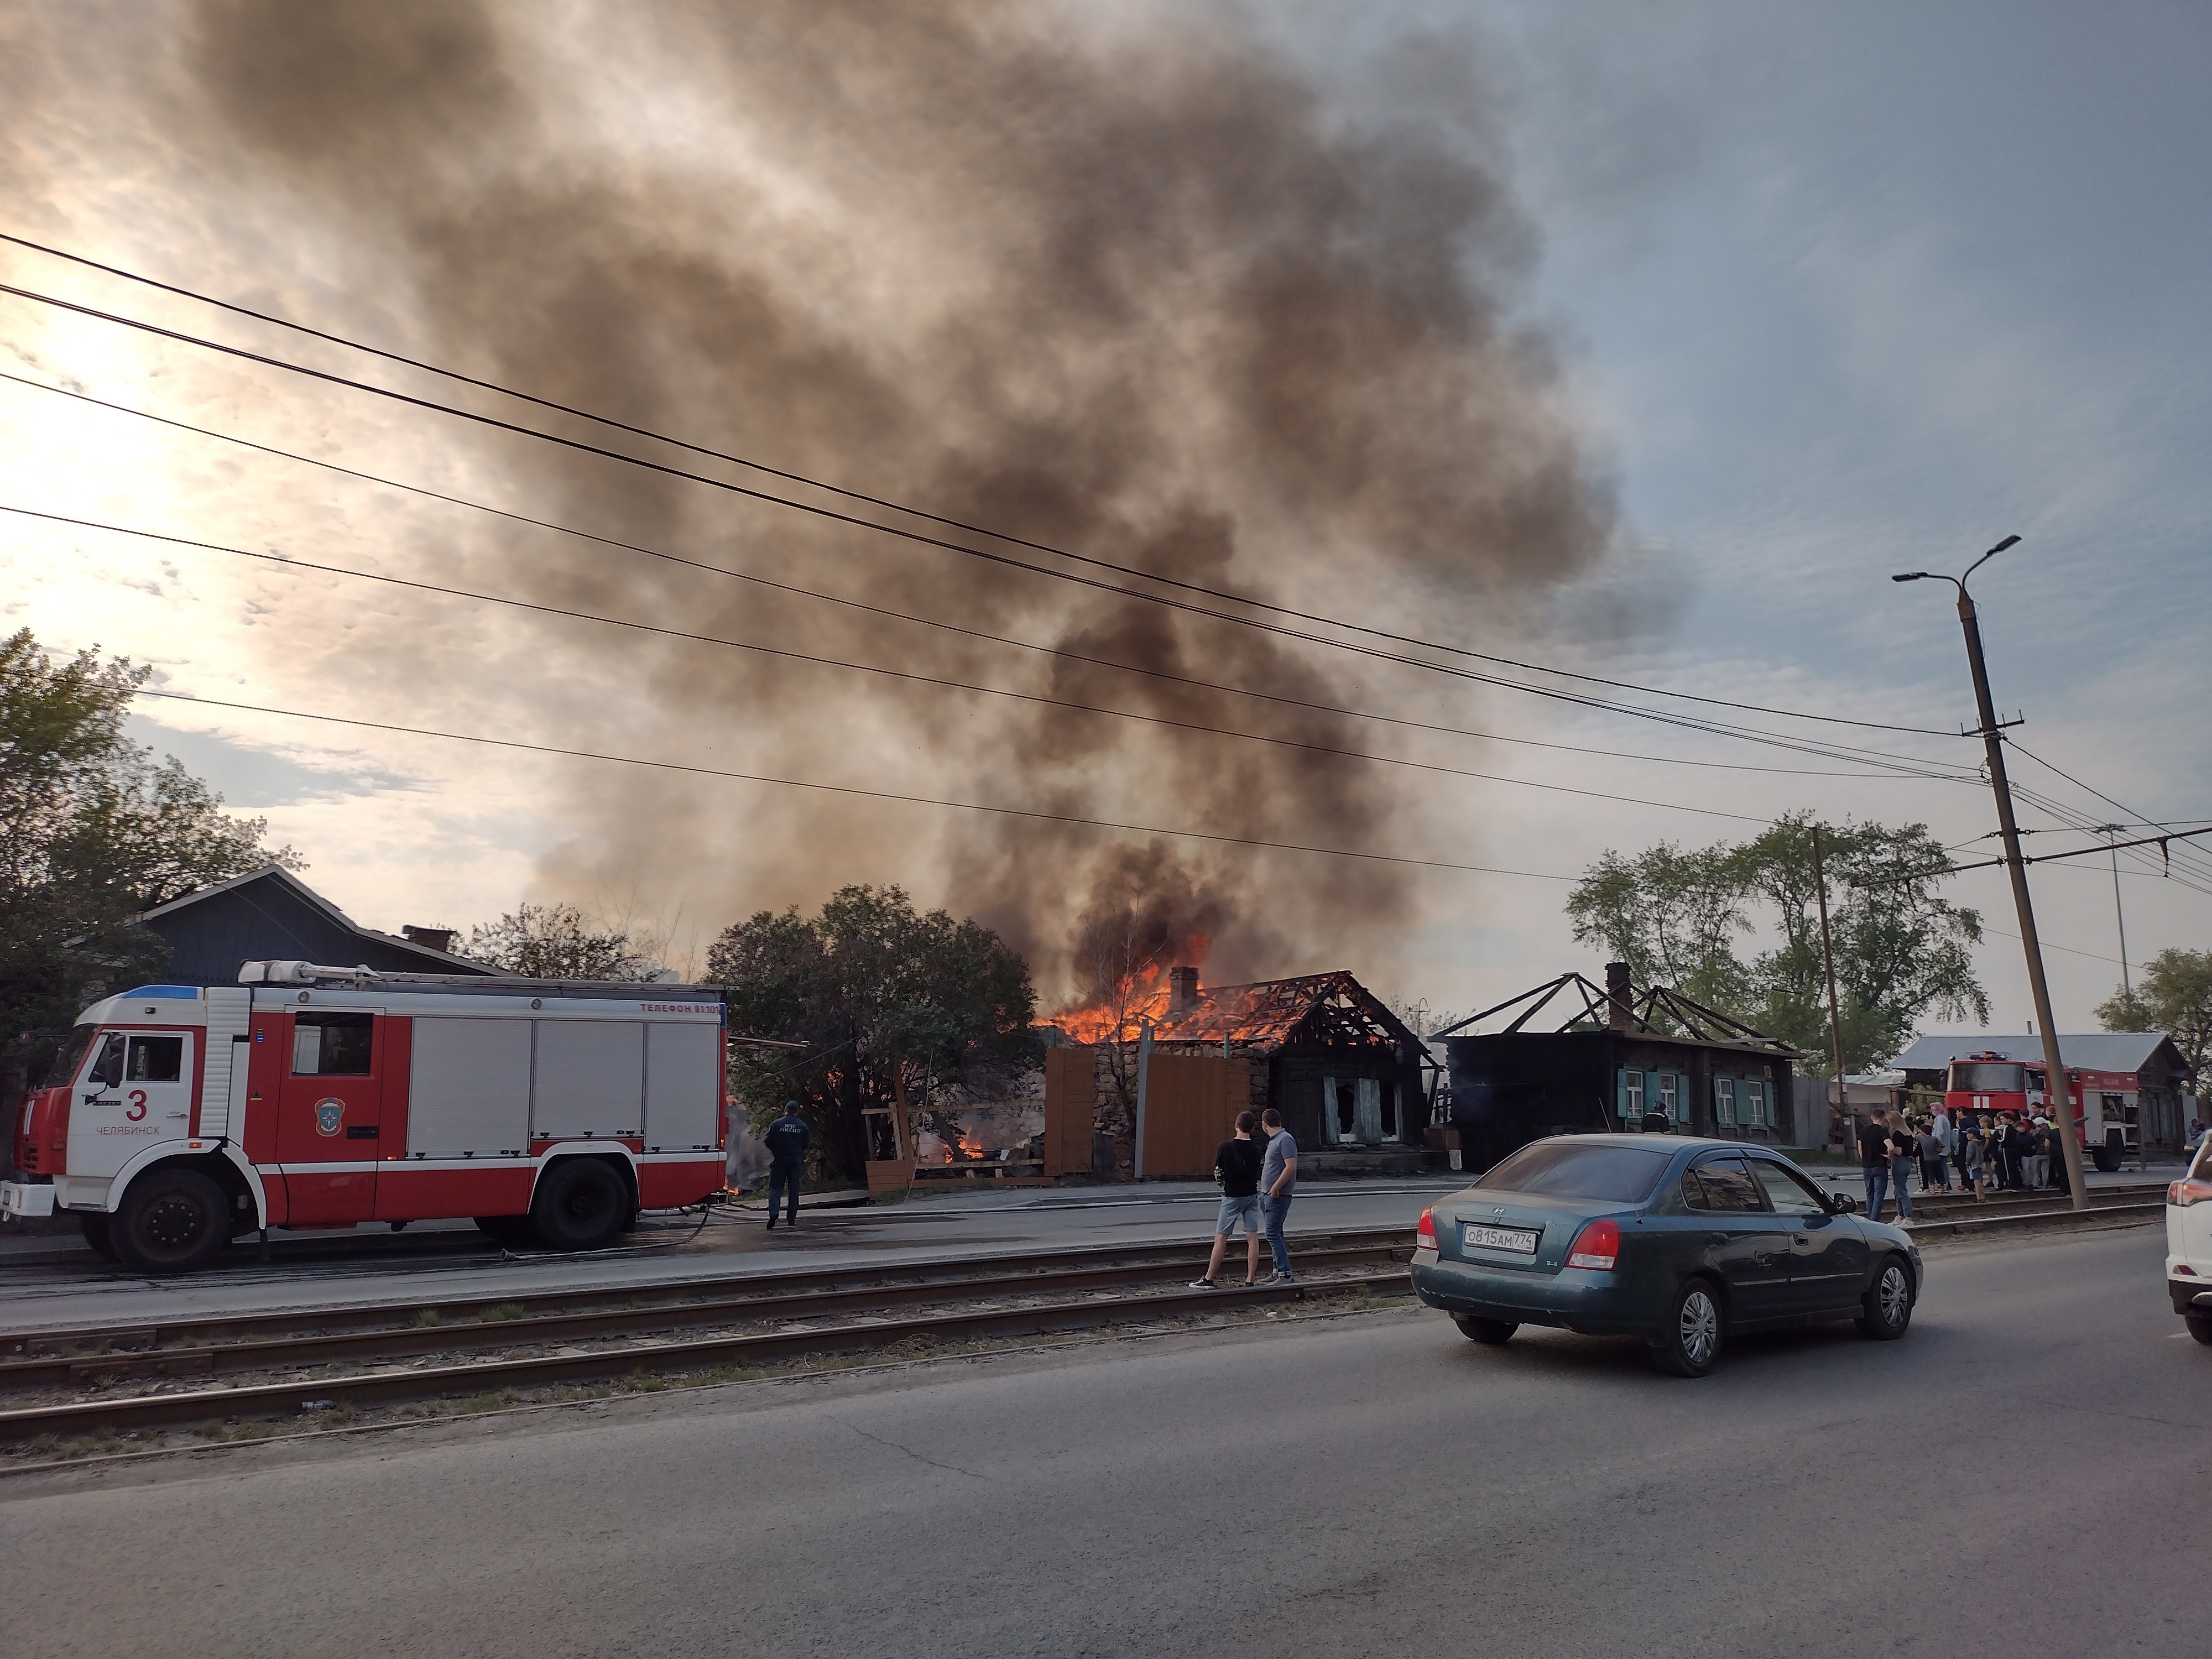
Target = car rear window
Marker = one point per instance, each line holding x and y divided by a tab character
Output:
1624	1175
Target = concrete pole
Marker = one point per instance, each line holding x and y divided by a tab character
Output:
2057	1095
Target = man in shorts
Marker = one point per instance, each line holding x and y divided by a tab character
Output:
1237	1172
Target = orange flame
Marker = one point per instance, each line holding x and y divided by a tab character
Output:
1114	1014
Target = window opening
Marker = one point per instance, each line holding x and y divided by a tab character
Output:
107	1071
1631	1094
156	1060
882	1134
1754	1102
332	1045
1727	1187
1788	1195
1347	1112
1667	1093
1724	1100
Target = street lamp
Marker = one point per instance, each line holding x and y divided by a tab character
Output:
2054	1070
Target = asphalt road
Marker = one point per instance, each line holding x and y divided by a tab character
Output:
2025	1474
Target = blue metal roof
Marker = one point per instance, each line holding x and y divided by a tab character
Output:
188	993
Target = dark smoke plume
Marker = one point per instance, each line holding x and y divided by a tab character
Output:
1131	286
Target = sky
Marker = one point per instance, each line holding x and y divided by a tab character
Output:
1815	295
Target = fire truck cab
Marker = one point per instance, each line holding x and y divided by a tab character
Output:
2104	1103
549	1111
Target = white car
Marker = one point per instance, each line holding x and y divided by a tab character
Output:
2189	1244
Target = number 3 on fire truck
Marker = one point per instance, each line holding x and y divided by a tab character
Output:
137	1105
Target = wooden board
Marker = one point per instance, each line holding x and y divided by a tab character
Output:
1191	1103
1070	1085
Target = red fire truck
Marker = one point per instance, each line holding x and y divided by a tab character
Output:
549	1111
2104	1106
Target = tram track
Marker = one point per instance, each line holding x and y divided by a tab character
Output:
478	1345
1006	1296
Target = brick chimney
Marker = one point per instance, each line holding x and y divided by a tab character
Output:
438	939
1183	991
1620	999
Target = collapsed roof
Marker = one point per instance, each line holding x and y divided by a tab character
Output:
1332	1011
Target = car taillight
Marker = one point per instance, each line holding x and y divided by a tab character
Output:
1598	1245
1424	1236
2183	1193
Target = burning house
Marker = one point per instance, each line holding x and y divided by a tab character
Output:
1613	1061
1164	1082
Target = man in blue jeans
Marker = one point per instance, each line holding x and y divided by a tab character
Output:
1279	1181
1874	1154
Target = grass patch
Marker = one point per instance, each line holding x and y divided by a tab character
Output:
485	1402
503	1310
426	1316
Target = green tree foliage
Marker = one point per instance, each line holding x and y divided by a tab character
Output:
2172	995
93	831
1678	918
558	941
880	996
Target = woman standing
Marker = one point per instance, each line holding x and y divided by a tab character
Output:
1904	1153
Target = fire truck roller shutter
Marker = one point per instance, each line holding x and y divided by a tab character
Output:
683	1092
589	1079
469	1088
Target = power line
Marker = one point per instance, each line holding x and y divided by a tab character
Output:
286	561
2203	867
832	515
854	495
841	789
925	622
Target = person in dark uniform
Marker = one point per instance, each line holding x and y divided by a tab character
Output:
786	1139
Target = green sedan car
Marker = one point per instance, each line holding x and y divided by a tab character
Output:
1682	1242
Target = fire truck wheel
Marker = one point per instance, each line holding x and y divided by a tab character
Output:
171	1221
2107	1158
98	1235
581	1204
508	1230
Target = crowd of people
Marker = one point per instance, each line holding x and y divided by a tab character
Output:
2010	1151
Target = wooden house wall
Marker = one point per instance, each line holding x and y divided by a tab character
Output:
1510	1089
1294	1089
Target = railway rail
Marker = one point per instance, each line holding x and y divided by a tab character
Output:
1027	1293
857	1299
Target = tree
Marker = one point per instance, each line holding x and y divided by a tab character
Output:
879	996
1901	951
2174	994
93	832
1673	916
557	941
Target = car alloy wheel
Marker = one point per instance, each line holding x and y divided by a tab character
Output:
1700	1327
1895	1293
1689	1342
1887	1309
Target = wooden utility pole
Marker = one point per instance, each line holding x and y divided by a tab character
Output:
1828	964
